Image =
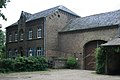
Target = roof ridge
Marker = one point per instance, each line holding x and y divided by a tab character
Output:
102	13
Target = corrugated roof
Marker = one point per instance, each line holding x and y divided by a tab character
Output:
50	11
94	21
114	42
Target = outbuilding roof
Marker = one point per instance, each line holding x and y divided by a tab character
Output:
94	21
114	42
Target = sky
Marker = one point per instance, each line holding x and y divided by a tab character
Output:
80	7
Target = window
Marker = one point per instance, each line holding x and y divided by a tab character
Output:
39	51
10	37
10	53
39	33
30	52
30	34
21	34
16	36
16	52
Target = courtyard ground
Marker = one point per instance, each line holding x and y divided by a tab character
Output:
62	74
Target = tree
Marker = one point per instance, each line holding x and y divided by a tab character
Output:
3	4
2	44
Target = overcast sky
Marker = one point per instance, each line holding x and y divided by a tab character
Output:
81	7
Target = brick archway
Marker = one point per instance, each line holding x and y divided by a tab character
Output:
89	53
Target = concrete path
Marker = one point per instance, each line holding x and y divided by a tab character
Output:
62	74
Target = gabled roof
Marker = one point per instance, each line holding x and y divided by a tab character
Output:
45	13
26	14
50	11
94	21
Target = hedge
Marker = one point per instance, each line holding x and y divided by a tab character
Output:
20	64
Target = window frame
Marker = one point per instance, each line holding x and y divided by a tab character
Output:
16	36
39	33
10	37
30	52
39	51
30	34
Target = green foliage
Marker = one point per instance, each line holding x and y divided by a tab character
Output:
20	64
3	4
100	60
2	45
71	63
6	65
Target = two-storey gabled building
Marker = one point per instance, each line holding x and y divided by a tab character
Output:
37	34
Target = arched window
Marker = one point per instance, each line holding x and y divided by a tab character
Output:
39	33
30	34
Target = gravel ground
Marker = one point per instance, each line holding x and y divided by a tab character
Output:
62	74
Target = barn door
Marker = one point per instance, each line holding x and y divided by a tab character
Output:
89	54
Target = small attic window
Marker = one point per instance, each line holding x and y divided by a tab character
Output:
49	17
54	14
58	15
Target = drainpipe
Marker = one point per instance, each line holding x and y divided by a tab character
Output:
45	36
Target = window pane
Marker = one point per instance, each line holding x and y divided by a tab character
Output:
30	34
39	33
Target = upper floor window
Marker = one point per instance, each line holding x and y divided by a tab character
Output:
39	33
10	37
16	36
30	52
30	34
21	34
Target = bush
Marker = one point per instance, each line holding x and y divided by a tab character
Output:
6	65
23	64
100	60
71	63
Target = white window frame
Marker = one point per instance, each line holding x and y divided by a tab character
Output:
39	33
30	52
39	51
30	34
16	36
10	37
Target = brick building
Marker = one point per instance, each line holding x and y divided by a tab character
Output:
59	32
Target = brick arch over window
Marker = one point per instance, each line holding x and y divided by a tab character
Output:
89	53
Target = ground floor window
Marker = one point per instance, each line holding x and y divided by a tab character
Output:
30	52
9	53
39	51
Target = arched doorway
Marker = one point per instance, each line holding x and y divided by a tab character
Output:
89	53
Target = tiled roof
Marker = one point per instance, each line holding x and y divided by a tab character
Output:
45	13
50	11
114	42
94	21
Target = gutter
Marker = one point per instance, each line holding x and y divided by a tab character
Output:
45	36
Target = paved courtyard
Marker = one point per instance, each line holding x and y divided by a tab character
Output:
64	74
